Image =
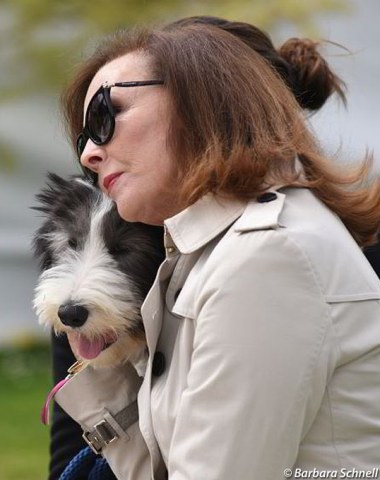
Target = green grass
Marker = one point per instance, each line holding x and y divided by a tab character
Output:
25	379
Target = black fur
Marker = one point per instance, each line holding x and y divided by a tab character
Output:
66	205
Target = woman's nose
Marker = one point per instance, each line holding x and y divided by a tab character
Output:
93	155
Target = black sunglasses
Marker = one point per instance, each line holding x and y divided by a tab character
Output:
99	124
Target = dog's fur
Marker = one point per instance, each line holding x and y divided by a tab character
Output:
93	260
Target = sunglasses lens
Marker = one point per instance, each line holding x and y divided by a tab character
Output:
81	143
99	119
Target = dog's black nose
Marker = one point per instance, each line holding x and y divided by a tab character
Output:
73	315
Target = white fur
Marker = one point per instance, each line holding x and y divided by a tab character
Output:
90	277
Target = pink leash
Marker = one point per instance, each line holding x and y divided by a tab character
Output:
45	412
75	368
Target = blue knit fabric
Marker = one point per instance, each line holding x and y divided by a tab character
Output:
86	465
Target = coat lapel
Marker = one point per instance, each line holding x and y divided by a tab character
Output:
152	310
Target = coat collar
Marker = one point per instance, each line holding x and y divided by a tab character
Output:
200	223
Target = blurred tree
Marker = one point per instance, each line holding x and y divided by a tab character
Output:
42	39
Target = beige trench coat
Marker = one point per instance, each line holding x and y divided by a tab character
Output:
270	330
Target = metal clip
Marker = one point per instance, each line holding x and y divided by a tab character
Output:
102	435
76	367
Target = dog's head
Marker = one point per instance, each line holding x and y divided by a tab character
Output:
96	270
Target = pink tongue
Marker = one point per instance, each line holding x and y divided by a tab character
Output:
90	349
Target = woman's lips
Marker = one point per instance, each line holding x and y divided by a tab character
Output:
110	180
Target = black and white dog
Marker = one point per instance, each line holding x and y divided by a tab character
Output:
96	271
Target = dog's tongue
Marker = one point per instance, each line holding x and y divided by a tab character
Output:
90	349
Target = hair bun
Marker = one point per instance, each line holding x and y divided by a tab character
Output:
312	81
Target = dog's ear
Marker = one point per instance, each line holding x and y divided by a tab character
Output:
58	202
55	187
41	246
60	193
47	200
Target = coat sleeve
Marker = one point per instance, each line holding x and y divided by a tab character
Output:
263	352
94	396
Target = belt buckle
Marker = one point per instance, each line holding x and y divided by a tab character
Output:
102	435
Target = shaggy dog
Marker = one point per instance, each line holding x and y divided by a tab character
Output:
96	271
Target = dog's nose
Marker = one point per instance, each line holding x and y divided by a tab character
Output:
73	315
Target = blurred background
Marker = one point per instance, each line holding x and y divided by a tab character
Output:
41	41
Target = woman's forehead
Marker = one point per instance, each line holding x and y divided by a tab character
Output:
133	66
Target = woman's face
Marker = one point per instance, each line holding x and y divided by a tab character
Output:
135	168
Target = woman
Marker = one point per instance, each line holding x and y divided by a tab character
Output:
263	323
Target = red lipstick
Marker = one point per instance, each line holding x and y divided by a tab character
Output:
110	179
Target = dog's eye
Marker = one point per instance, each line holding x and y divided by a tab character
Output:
73	243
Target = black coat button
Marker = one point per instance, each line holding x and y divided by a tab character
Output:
159	364
267	197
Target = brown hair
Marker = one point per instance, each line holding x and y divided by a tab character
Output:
237	120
